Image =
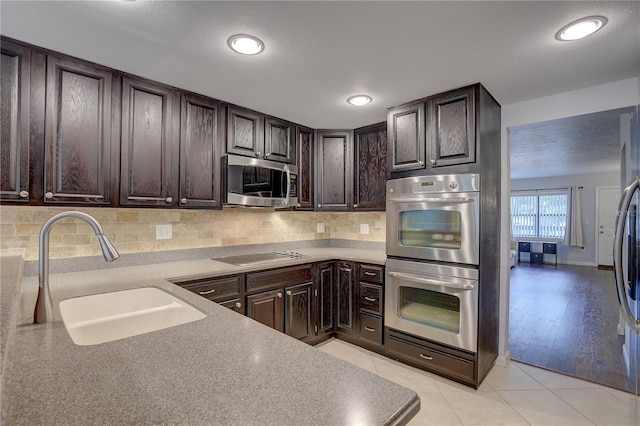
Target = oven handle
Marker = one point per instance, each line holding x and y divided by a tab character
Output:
458	200
459	287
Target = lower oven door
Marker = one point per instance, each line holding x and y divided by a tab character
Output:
435	302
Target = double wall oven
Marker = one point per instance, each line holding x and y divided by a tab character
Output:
432	258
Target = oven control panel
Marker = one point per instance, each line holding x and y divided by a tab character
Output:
429	186
434	184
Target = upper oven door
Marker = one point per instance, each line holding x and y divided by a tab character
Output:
442	226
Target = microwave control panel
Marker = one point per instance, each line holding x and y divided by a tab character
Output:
293	186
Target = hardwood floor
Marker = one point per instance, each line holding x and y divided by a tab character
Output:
565	319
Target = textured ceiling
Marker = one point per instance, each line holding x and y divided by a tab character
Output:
319	53
584	144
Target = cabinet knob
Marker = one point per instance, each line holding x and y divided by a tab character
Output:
48	195
183	201
169	200
25	194
299	205
319	205
433	162
289	293
238	305
355	205
258	153
279	294
421	163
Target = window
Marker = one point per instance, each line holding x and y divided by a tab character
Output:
539	214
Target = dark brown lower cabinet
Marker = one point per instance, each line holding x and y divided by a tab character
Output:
324	297
298	321
234	305
443	360
346	299
371	329
266	308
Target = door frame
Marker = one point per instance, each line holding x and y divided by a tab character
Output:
597	224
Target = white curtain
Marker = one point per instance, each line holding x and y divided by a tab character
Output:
574	232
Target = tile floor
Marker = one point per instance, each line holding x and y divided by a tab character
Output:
516	395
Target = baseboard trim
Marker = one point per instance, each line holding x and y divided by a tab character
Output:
503	360
569	262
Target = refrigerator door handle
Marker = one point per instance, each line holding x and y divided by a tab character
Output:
623	209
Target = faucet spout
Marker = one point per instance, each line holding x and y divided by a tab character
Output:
44	305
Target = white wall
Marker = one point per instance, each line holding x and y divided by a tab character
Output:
617	94
589	183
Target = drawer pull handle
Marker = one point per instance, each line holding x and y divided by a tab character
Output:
203	293
369	329
369	299
427	357
370	274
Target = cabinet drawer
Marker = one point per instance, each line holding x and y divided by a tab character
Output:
234	305
371	298
371	328
216	289
549	248
372	273
524	246
282	277
434	360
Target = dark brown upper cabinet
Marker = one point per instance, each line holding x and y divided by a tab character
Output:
14	122
305	159
370	168
334	170
278	141
245	132
78	147
201	136
147	157
406	136
441	127
452	125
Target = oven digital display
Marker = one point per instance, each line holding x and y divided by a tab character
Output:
428	186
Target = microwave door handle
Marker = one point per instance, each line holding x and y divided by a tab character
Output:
623	208
434	283
430	200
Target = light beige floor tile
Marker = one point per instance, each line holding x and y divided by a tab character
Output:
600	406
552	380
623	396
482	408
511	377
349	353
543	407
407	376
434	410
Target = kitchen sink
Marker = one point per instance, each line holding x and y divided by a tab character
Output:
105	317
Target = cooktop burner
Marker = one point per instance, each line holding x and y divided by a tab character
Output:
252	259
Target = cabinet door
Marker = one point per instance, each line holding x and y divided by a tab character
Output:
200	138
346	298
305	156
298	313
325	292
334	161
452	136
266	308
77	133
370	167
14	122
146	159
406	136
234	305
278	143
244	132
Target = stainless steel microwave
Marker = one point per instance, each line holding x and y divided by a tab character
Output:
259	183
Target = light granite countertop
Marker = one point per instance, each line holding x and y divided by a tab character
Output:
223	369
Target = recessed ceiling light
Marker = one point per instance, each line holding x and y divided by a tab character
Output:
245	44
581	28
359	100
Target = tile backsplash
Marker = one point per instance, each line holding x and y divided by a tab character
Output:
134	230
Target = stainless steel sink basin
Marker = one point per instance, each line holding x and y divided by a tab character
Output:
105	317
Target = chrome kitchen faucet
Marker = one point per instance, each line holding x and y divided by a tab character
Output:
44	305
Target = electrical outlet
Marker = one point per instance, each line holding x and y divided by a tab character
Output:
320	228
364	228
164	232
